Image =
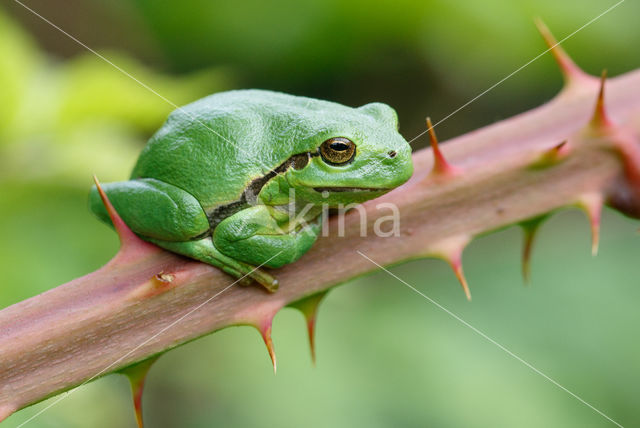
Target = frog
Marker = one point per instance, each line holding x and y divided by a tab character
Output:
239	179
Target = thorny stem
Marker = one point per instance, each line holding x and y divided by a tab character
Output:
508	172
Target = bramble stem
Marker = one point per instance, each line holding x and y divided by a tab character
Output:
125	313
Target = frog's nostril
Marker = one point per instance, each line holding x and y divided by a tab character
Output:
392	154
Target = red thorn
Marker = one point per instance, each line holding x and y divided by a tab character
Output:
553	155
591	204
450	250
600	118
128	239
560	150
136	391
526	255
570	71
456	265
529	227
440	165
265	332
311	332
137	374
309	308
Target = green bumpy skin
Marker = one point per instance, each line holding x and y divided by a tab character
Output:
216	181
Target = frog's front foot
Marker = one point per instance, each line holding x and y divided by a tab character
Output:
244	273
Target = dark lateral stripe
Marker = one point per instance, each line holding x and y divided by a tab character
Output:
221	212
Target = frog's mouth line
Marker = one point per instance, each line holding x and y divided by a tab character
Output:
350	189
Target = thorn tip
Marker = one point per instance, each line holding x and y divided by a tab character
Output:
570	71
128	239
137	375
529	228
440	165
309	309
265	332
450	250
457	269
552	156
592	204
600	118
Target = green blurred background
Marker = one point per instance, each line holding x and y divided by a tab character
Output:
386	356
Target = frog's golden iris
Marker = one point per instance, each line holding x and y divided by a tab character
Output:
337	151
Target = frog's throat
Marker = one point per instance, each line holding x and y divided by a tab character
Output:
250	194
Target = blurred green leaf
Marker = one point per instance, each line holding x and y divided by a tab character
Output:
70	120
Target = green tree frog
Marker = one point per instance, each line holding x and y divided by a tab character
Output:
216	182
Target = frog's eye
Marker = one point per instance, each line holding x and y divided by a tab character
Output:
337	151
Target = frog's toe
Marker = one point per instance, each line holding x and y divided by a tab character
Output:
266	280
246	275
244	281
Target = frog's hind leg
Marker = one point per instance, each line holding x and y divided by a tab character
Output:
204	250
173	219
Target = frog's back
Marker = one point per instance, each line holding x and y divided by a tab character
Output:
213	148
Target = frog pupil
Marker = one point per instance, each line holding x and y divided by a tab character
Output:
339	146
